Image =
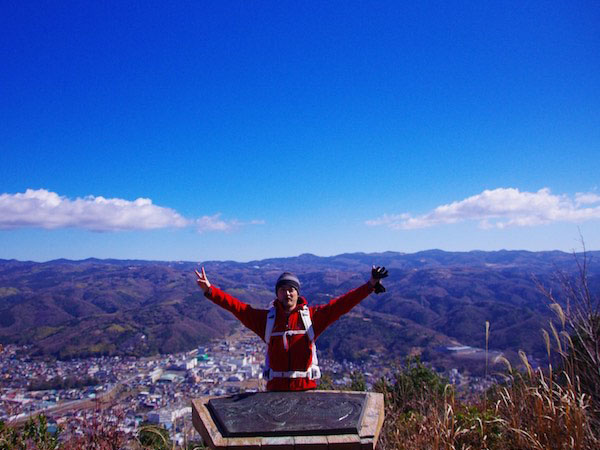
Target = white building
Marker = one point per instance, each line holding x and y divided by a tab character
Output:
168	415
156	374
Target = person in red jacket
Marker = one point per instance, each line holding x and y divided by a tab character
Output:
290	327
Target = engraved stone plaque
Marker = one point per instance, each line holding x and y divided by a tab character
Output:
288	413
279	421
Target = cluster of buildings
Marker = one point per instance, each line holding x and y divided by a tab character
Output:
131	392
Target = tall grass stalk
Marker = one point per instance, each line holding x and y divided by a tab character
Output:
556	407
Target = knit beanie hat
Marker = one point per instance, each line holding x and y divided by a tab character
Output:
288	278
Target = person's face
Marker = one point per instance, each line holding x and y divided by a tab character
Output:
288	296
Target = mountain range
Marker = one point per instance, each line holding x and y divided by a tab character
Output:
434	299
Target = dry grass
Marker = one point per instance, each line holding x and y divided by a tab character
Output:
554	408
532	410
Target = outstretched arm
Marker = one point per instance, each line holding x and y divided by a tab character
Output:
325	315
253	319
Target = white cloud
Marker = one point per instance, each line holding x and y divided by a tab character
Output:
584	198
215	223
212	223
44	209
501	208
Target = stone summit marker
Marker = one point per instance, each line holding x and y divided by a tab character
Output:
290	420
287	413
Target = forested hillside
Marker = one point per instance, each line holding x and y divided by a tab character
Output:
434	299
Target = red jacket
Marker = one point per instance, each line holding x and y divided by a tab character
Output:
298	356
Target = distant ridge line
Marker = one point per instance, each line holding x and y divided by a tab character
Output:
304	256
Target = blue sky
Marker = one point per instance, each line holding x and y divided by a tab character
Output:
245	130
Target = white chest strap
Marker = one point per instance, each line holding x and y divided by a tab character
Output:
313	371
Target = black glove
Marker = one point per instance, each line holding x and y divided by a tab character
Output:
378	273
378	289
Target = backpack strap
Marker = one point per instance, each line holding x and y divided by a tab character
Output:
307	322
314	370
270	324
